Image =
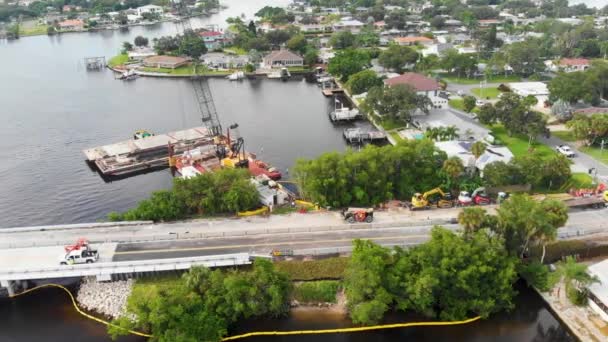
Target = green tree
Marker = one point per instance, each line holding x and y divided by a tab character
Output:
472	220
396	57
589	129
576	278
397	102
487	114
365	282
311	56
522	221
342	40
469	103
192	46
141	41
453	168
363	81
459	64
569	87
348	62
451	276
478	148
500	173
298	43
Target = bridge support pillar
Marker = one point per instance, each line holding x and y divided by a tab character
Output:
10	286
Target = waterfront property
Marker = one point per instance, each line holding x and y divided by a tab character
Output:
71	25
423	86
409	41
141	53
214	39
282	58
168	62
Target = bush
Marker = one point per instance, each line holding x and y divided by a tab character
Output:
536	275
323	291
331	268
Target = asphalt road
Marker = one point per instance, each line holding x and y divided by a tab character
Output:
264	244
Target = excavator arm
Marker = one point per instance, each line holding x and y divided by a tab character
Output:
432	192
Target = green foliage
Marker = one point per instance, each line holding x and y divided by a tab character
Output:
459	64
275	15
192	45
396	57
140	41
372	175
322	291
478	148
523	221
363	81
570	87
202	305
536	274
330	268
469	103
590	129
472	220
348	62
223	191
342	40
396	102
576	278
298	44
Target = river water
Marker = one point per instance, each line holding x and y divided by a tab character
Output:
51	109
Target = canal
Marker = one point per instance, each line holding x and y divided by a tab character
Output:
47	315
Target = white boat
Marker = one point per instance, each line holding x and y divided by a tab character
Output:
128	75
344	114
237	76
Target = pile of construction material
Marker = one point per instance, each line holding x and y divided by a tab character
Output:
108	298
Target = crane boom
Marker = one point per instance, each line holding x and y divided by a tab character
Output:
206	105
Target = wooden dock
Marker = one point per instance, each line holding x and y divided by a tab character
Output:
331	91
136	155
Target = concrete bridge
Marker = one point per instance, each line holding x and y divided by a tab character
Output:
16	278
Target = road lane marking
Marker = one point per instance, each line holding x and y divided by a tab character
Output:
169	250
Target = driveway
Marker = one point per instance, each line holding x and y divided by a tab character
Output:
581	162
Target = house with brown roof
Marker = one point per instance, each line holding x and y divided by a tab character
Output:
574	64
422	85
409	41
167	62
71	25
282	58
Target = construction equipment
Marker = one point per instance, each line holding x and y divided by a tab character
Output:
424	201
352	215
479	197
78	253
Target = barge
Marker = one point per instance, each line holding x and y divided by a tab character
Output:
137	155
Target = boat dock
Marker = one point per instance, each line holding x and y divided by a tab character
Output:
136	155
358	135
344	114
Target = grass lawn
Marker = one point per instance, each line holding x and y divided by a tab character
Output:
236	51
518	143
390	124
494	79
118	60
564	135
457	103
33	31
330	268
578	180
321	291
596	153
484	93
396	136
187	70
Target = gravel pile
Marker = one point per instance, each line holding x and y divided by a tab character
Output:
109	298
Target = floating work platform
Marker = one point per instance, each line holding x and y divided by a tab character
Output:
359	135
136	155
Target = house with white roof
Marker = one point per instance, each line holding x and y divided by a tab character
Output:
536	89
462	150
149	9
598	292
348	24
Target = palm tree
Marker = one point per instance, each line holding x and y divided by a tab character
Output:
432	133
453	168
575	276
472	219
450	133
478	148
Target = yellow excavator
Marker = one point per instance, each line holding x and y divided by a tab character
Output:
421	201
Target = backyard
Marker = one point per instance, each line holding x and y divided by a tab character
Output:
494	79
518	143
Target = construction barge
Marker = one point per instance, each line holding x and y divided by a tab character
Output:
137	155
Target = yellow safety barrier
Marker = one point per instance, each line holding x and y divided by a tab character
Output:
80	311
348	330
307	204
262	210
264	333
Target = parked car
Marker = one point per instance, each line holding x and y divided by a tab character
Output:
565	150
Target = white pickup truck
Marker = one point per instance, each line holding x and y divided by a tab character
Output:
79	256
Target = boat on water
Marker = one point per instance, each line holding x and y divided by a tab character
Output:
128	75
237	76
141	134
258	167
283	74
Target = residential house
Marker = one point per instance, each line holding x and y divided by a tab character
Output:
71	8
380	25
536	89
218	60
489	22
598	291
282	58
570	21
462	150
348	24
574	64
213	39
141	53
436	49
167	62
409	41
149	9
422	85
71	25
312	27
456	38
